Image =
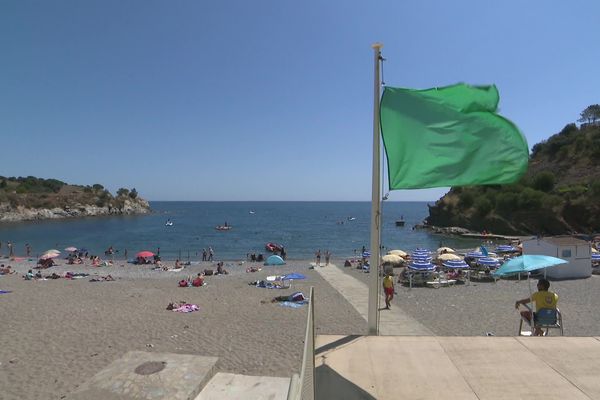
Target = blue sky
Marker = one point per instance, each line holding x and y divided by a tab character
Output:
265	100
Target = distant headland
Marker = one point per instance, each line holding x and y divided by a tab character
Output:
559	194
30	198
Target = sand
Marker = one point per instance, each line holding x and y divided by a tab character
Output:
57	333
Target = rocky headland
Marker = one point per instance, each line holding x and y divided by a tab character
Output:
28	199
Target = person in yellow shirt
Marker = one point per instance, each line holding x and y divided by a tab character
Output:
388	288
543	298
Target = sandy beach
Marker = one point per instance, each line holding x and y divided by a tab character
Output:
58	333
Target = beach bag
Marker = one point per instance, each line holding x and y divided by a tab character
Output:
183	283
208	272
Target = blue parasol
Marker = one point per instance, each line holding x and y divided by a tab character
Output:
527	263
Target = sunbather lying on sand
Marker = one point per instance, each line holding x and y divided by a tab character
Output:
294	297
102	278
253	269
6	270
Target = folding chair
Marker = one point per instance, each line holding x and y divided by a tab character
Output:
545	319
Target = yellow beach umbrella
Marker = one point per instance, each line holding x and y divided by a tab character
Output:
400	253
449	256
445	250
392	259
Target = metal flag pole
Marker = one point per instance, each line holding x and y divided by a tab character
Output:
375	201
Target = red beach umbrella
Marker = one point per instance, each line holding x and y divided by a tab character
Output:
145	254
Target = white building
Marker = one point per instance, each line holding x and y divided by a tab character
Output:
576	251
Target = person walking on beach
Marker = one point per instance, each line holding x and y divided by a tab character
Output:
27	249
543	298
318	255
125	254
388	288
327	255
10	249
211	253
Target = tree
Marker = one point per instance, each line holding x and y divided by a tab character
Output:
133	194
544	181
97	186
122	192
590	115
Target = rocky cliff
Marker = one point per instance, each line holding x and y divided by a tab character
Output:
30	198
9	213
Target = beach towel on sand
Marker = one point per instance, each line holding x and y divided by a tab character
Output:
186	308
292	304
4	291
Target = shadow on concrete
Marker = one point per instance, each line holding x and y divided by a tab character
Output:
329	385
336	343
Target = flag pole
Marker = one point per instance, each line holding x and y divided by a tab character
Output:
375	201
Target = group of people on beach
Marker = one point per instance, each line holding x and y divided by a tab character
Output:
318	257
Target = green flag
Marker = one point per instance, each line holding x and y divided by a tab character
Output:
449	136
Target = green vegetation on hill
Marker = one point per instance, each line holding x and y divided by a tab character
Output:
559	194
36	193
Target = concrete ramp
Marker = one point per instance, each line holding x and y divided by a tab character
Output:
224	386
142	375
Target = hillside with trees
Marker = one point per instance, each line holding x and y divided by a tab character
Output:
559	194
28	198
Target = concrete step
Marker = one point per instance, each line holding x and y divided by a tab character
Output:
225	386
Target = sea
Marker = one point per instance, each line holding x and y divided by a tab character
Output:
343	228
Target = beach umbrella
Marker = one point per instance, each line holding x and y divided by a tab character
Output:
421	266
48	255
366	254
505	248
594	250
445	250
52	251
144	254
400	253
455	264
527	263
392	259
71	249
488	261
474	254
449	256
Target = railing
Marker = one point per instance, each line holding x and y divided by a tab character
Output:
303	387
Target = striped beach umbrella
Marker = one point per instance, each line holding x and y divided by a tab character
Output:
456	264
421	266
488	262
505	248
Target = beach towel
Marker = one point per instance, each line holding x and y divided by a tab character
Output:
187	308
293	275
293	304
5	291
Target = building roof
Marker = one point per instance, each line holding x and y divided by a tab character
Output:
564	241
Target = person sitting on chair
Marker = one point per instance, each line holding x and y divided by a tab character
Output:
543	298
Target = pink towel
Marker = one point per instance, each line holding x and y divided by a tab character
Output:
187	308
